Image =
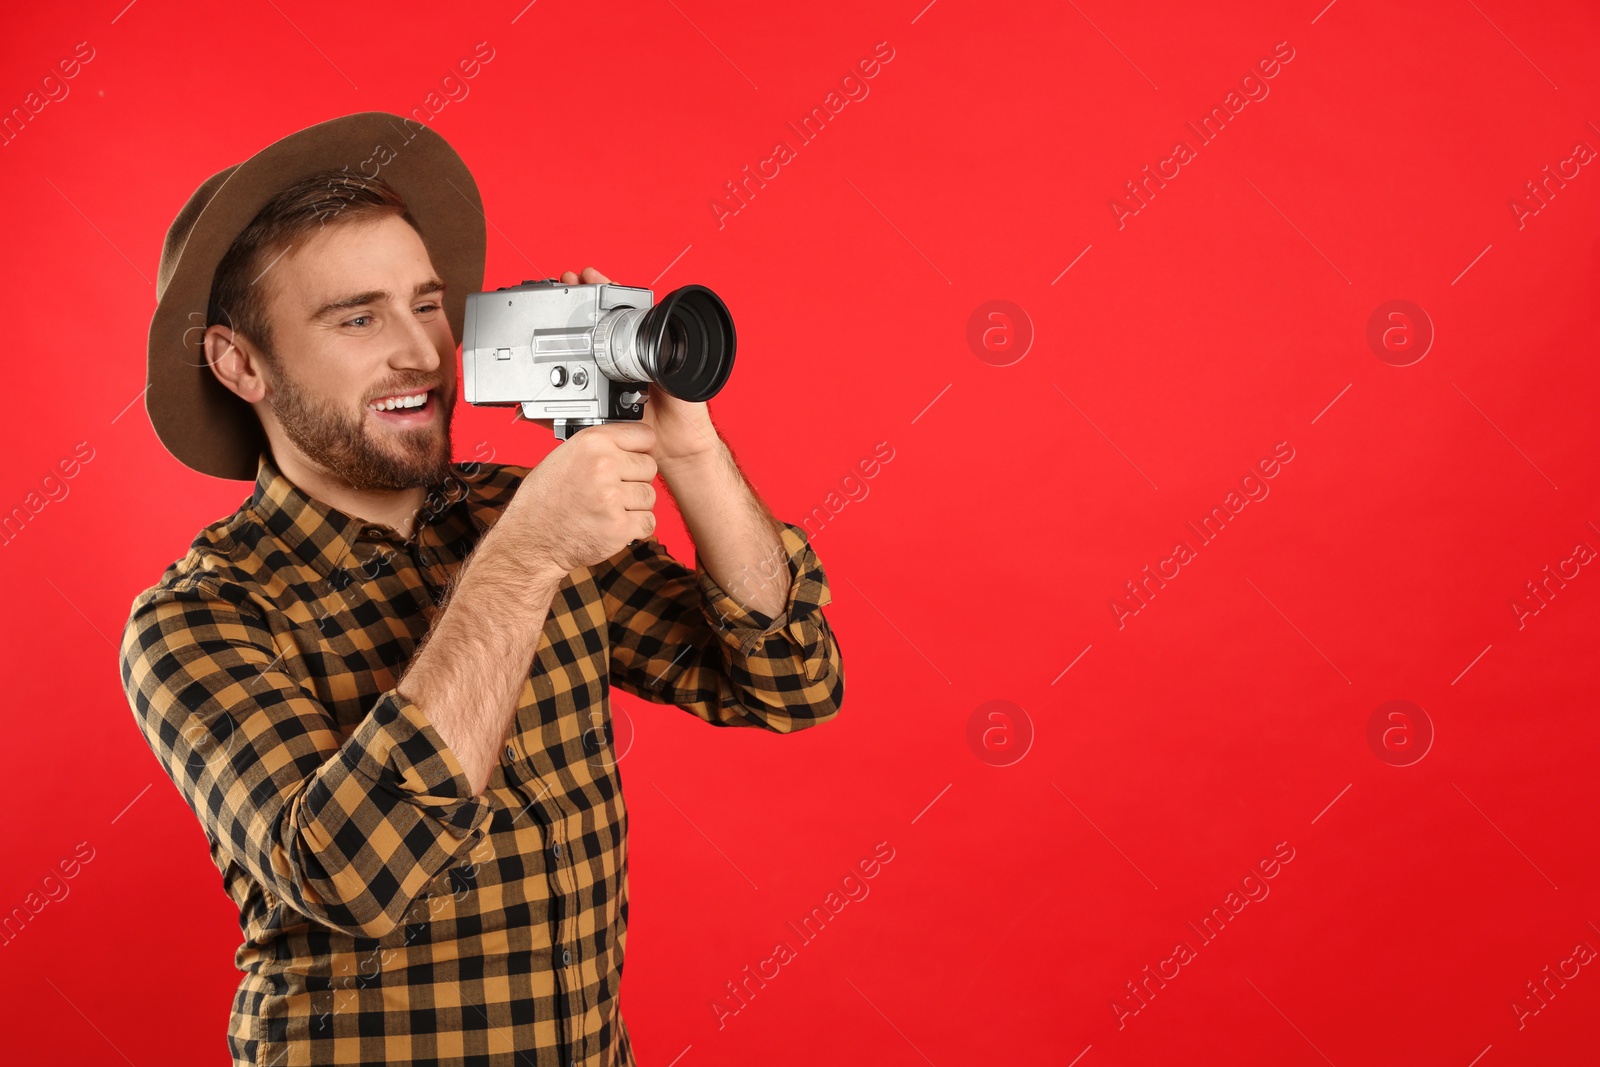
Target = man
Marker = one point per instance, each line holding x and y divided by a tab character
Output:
382	684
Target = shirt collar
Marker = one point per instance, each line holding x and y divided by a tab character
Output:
325	538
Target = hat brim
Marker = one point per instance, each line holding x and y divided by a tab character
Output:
200	421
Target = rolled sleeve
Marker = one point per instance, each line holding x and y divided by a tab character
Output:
746	630
397	748
678	637
348	832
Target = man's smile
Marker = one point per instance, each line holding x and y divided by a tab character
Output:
406	408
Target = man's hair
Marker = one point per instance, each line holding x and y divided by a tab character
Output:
237	301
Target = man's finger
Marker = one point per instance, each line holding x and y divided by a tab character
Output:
638	467
633	436
638	496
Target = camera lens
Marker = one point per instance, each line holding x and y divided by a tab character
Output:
674	349
686	342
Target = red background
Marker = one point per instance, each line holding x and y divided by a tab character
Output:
1229	715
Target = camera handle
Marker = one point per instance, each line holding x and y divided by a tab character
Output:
563	429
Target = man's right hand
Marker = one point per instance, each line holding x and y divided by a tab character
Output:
587	499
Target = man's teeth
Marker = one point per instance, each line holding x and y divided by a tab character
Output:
393	402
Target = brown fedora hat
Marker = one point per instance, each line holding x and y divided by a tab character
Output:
199	420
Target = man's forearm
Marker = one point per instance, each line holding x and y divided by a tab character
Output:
735	537
475	658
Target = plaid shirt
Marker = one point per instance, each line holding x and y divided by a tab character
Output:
388	914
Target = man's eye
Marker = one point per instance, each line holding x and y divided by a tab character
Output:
422	309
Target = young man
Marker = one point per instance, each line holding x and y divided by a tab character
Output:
382	684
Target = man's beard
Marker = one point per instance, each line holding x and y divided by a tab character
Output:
341	445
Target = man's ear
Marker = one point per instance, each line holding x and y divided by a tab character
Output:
235	362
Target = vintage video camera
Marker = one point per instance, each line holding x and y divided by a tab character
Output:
582	355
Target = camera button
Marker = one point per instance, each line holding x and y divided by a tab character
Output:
558	376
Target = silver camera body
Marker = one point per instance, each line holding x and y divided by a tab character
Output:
583	355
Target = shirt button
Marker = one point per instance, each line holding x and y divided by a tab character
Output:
423	557
511	753
556	848
566	956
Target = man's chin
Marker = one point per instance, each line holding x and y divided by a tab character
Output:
421	473
418	466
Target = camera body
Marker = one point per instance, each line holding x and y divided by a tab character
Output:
585	354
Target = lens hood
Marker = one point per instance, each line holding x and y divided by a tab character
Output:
687	342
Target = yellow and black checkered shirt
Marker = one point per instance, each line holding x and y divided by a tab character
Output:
389	915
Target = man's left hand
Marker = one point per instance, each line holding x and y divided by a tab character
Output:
684	433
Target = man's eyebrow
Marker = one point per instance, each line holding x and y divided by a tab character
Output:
373	296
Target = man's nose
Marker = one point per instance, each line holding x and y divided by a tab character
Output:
416	347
